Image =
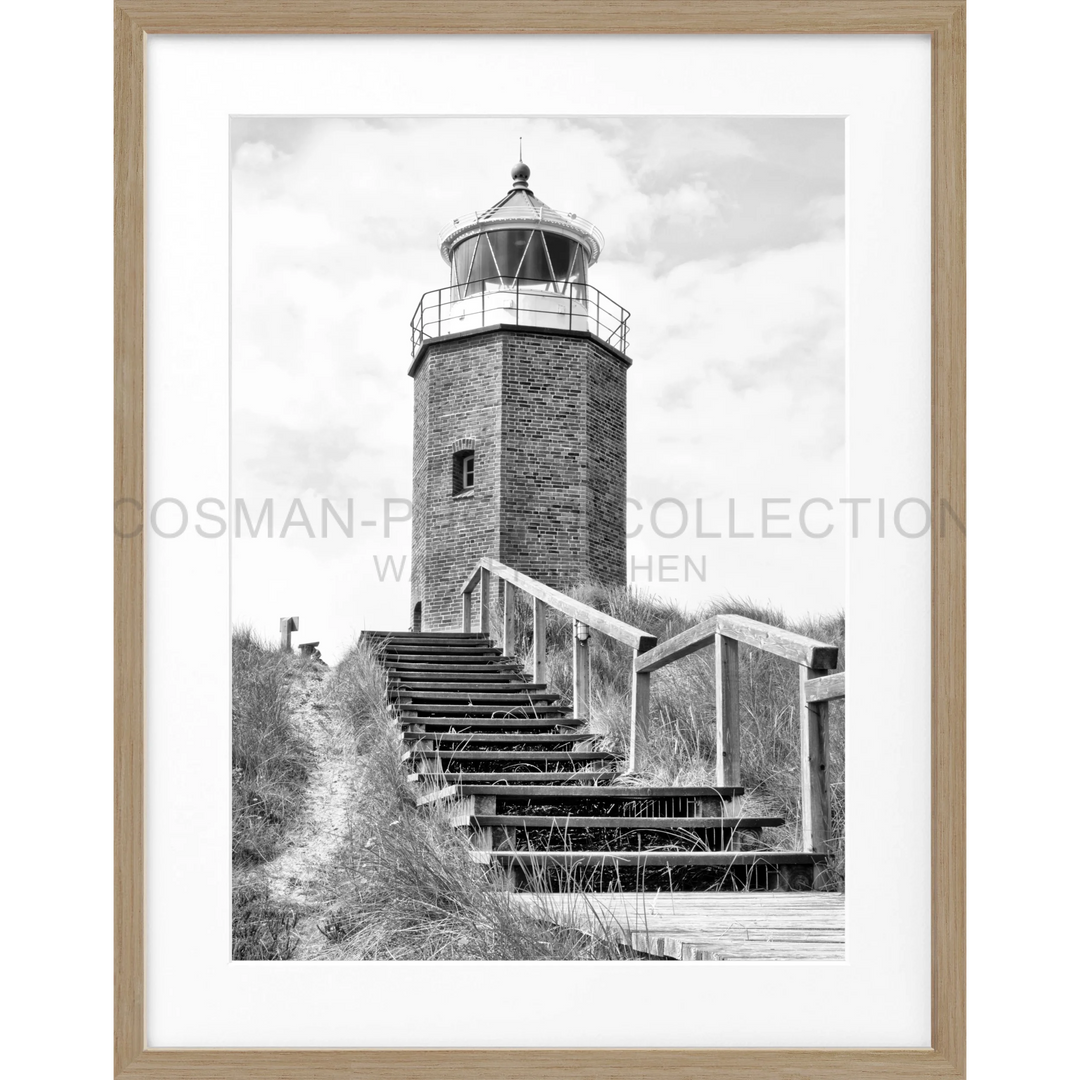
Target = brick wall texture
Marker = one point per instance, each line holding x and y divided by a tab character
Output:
546	413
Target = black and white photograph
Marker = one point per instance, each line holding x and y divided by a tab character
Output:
538	574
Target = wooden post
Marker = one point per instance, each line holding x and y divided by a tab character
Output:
509	626
814	761
485	601
287	626
466	612
639	714
540	673
581	670
728	755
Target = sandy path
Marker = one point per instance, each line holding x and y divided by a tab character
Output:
298	875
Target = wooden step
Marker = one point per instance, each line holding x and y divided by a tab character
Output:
423	635
507	725
469	738
536	779
492	711
455	679
654	871
466	687
481	648
423	697
570	859
615	794
474	670
560	824
493	662
524	756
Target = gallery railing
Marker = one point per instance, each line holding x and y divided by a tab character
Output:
502	301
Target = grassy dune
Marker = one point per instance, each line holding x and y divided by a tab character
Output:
399	884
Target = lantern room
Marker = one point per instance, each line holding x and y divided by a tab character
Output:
519	263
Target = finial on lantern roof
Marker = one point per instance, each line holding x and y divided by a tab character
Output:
520	174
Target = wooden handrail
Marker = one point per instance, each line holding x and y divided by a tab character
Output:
622	632
585	618
816	689
802	650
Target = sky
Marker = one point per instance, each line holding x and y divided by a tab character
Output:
724	240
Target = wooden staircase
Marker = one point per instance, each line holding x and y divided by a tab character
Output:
540	796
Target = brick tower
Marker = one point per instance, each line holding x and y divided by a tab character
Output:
519	429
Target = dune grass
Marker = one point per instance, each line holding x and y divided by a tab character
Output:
270	761
405	887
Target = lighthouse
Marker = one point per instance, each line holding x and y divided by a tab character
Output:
519	423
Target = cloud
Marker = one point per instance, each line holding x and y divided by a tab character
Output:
724	240
256	155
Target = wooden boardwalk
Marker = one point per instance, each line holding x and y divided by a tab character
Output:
703	925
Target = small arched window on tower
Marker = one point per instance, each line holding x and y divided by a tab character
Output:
464	466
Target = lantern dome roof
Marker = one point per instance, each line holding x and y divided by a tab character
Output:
520	208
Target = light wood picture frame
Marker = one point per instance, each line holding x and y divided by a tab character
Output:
944	22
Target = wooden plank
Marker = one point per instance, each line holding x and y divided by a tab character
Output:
510	696
540	667
549	781
581	670
542	756
464	686
826	687
772	639
640	704
509	623
485	601
704	926
287	626
566	859
796	647
472	580
524	790
480	669
828	907
689	641
530	821
728	754
813	765
468	738
526	710
451	650
574	609
516	723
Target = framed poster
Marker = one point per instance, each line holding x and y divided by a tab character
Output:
244	57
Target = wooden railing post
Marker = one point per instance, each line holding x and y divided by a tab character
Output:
728	754
466	612
581	670
814	764
639	714
540	674
287	626
485	601
509	627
